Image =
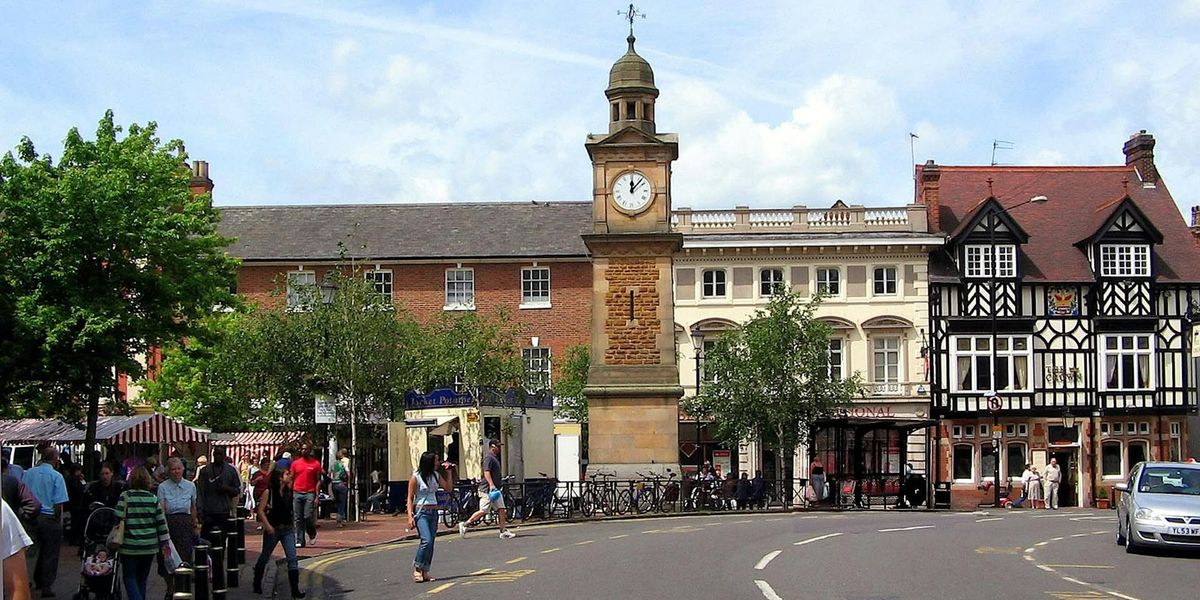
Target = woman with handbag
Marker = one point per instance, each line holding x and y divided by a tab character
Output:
142	532
423	511
279	526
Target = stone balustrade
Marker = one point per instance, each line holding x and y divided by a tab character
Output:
801	219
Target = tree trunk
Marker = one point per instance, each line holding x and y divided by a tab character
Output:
89	438
352	502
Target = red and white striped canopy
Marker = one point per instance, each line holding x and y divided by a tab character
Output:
146	429
254	445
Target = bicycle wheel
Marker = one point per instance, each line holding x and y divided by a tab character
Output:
452	512
515	512
588	503
666	504
624	502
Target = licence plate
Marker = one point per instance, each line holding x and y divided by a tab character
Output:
1185	530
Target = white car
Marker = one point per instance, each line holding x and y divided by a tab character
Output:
1160	506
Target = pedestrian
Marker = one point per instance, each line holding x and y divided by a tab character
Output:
50	489
743	491
178	497
423	510
490	494
18	497
201	462
216	488
145	533
306	478
276	506
73	474
1035	487
816	480
14	573
379	491
728	489
258	485
339	475
758	490
106	490
1053	478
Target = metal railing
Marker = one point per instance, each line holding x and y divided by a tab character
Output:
910	218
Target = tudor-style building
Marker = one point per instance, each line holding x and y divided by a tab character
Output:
1060	313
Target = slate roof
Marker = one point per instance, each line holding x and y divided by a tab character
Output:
1079	200
408	231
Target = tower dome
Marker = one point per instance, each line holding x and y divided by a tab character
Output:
631	92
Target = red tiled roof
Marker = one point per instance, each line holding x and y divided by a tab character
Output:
1079	200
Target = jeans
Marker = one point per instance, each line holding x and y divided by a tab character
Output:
135	570
374	501
427	524
287	537
341	494
303	504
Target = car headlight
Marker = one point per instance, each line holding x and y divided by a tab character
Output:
1145	514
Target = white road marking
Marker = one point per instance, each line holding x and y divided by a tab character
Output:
766	590
817	539
1073	580
913	528
515	560
1060	516
1040	544
746	521
551	550
585	542
991	519
1028	550
766	560
1120	595
1044	568
1082	566
617	537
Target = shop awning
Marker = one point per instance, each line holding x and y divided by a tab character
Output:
438	425
146	429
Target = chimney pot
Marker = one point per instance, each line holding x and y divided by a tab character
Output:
1196	216
1139	154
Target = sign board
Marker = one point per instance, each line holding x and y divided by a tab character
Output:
472	417
324	410
994	403
722	461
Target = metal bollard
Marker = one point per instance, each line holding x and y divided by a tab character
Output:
200	577
240	528
232	570
217	552
183	583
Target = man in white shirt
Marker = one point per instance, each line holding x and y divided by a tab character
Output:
1053	477
13	541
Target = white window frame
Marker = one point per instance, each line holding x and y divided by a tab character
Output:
1010	430
1175	429
1118	428
988	474
1136	351
975	352
840	352
985	430
463	298
978	263
1105	429
1144	428
969	432
1005	466
895	281
974	459
956	431
537	364
781	283
888	385
1124	260
528	281
295	291
706	285
1121	452
824	283
372	278
1022	430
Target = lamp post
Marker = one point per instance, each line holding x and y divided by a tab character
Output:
993	273
698	345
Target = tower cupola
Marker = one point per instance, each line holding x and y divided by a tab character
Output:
631	92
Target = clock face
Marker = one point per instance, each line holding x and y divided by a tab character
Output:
632	192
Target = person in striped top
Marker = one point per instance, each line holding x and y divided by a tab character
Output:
145	532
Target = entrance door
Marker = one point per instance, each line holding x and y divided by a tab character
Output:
1068	462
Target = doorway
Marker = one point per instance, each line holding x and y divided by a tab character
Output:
1068	461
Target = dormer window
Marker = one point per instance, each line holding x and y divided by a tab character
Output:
979	261
1124	260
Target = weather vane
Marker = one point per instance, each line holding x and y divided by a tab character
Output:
630	15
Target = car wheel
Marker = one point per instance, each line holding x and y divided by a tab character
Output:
1130	546
1121	541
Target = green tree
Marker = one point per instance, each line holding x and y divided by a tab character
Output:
570	403
478	353
768	379
105	253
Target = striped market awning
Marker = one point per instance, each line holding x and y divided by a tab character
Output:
254	445
146	429
32	431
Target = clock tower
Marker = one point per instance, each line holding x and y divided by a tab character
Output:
633	385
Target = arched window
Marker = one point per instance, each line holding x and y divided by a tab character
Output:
1110	460
1135	452
1015	458
963	463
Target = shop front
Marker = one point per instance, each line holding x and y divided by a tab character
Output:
873	455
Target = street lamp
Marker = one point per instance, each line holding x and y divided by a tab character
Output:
1068	420
993	271
698	346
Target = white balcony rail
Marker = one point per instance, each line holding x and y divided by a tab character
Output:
742	219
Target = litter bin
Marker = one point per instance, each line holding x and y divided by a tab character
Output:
941	494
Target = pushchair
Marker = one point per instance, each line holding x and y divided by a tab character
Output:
98	570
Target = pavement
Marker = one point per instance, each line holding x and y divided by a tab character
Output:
376	529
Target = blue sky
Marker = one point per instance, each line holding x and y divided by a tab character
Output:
775	104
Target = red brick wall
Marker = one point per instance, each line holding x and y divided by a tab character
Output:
421	289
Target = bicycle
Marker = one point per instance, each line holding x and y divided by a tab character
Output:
604	496
658	498
491	517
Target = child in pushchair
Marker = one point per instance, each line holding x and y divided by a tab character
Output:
99	565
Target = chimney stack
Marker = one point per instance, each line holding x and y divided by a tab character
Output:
1195	225
927	194
200	183
1139	153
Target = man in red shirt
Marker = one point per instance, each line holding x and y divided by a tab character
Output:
306	477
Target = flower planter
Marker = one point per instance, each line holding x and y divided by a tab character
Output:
1102	503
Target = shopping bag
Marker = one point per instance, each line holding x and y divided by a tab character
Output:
116	537
171	556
